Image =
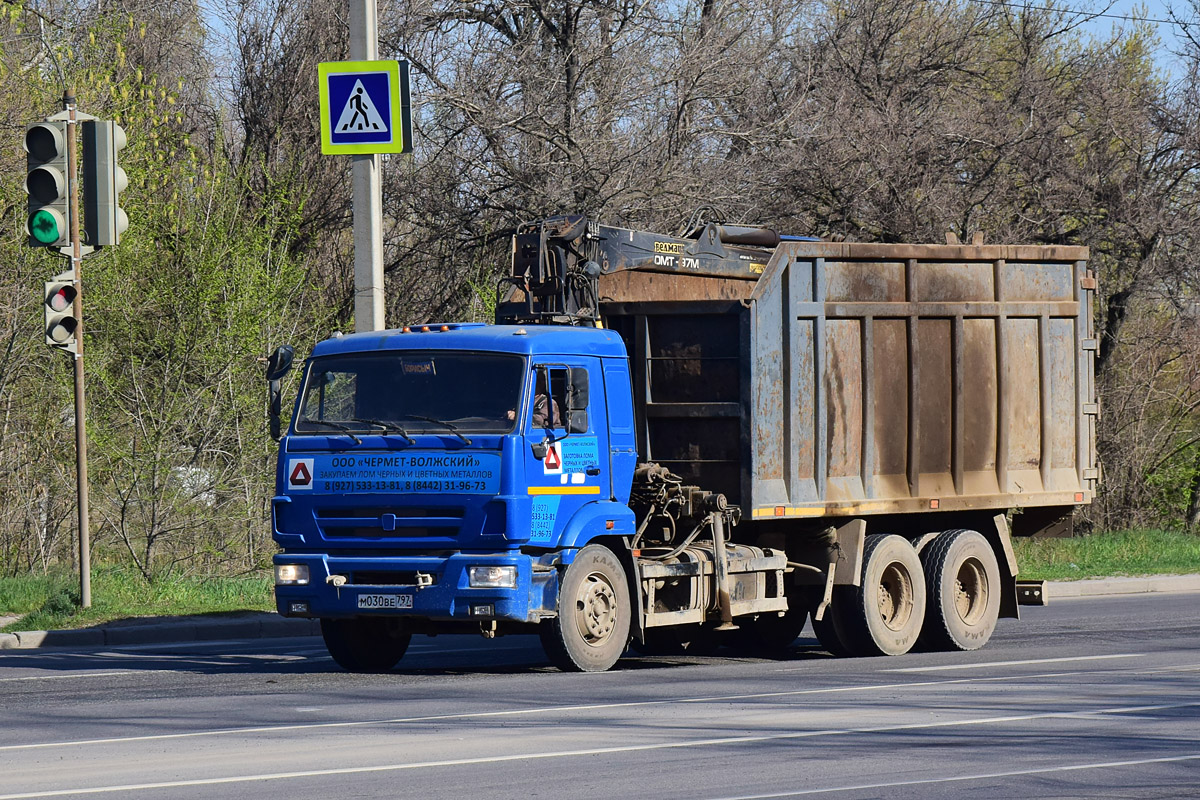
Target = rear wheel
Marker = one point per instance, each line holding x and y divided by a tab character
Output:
591	630
883	616
963	579
365	644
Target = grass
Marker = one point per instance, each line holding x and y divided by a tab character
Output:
51	602
1103	555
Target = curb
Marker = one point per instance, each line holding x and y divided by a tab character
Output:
268	625
187	629
1101	587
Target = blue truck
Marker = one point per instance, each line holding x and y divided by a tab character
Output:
686	442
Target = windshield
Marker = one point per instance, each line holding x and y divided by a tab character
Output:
411	392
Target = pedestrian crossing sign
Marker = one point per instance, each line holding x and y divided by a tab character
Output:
364	107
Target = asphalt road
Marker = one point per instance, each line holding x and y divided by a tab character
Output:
1086	698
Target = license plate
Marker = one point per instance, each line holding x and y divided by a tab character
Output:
385	601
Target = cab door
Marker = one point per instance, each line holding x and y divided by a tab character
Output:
566	444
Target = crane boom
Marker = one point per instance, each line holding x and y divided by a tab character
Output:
557	261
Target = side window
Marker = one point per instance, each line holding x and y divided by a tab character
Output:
560	398
577	400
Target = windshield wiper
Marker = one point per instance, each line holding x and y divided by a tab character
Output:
388	427
445	425
335	425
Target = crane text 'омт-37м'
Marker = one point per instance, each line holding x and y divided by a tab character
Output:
678	442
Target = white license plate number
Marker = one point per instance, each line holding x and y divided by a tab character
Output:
385	601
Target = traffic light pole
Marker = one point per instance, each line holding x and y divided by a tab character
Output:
81	479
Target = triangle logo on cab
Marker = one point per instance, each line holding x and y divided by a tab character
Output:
300	472
553	463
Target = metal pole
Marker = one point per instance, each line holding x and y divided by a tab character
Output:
367	191
81	480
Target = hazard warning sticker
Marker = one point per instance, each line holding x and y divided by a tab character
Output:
300	473
552	463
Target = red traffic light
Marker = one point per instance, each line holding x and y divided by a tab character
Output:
61	299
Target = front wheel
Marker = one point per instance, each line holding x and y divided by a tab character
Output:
365	644
591	630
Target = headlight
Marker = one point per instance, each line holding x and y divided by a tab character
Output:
498	577
291	574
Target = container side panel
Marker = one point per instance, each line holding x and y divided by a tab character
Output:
1063	399
844	393
864	281
802	483
935	398
980	407
704	452
1038	282
1022	388
768	423
694	358
956	282
890	390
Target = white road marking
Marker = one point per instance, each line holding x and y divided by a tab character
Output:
1022	662
539	711
980	777
674	745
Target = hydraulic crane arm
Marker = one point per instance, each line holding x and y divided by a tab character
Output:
556	263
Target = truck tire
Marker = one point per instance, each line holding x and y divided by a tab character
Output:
963	580
365	644
883	616
591	630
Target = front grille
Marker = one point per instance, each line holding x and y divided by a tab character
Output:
389	522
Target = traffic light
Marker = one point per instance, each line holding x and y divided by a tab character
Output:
103	180
48	184
60	314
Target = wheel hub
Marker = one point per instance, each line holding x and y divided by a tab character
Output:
895	597
596	610
970	591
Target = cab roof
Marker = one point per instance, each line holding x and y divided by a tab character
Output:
526	340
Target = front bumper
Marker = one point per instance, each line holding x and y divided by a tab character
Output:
420	587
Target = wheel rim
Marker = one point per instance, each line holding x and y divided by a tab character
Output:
971	591
895	597
596	610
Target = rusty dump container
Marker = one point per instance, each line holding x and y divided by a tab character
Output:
845	379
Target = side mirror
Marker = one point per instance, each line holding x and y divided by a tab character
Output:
540	449
277	366
280	362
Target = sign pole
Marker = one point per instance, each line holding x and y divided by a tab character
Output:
367	183
81	478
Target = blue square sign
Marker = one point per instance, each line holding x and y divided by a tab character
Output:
364	107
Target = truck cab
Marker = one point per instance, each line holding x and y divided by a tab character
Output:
437	478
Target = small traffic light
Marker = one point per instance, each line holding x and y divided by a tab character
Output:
60	314
48	184
103	180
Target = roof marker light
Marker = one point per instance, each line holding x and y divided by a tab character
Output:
445	327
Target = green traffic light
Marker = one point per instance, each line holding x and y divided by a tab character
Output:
44	226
